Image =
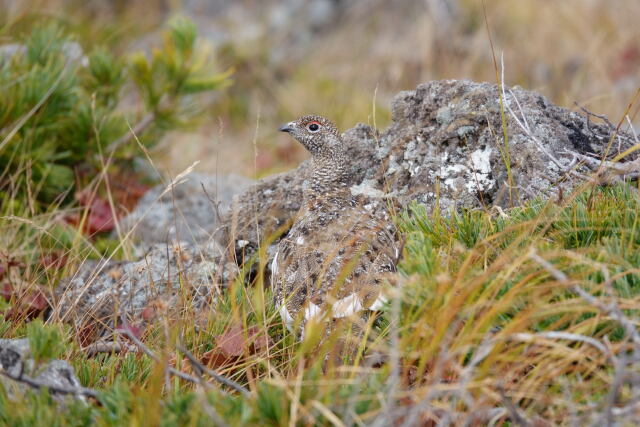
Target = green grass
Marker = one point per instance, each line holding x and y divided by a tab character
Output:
468	284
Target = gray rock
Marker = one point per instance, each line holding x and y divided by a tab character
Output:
461	160
180	258
186	213
12	354
167	277
15	359
444	148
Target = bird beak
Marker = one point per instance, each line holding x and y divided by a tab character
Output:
286	128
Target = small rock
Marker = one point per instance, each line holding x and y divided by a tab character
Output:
186	213
101	291
15	359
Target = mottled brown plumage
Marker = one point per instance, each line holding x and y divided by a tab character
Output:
340	245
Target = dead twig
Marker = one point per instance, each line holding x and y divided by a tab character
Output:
33	383
146	350
107	347
200	368
630	169
599	116
525	337
215	203
615	130
194	362
208	409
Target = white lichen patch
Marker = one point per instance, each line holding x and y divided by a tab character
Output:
454	169
564	163
480	170
367	188
451	174
393	166
474	175
383	151
444	115
410	152
481	160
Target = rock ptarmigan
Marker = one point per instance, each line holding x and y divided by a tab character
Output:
341	244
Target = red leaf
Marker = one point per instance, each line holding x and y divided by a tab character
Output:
100	217
136	331
231	343
8	263
259	341
234	344
54	260
6	291
148	313
126	190
37	301
28	305
87	334
154	309
217	359
12	262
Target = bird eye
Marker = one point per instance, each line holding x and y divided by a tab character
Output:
313	127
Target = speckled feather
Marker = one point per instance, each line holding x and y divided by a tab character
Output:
340	245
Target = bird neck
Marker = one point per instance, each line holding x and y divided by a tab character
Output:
329	174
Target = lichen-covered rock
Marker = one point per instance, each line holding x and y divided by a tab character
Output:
445	147
15	359
186	213
167	278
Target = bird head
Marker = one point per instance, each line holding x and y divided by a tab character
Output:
317	134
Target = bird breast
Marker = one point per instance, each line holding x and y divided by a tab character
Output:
332	258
